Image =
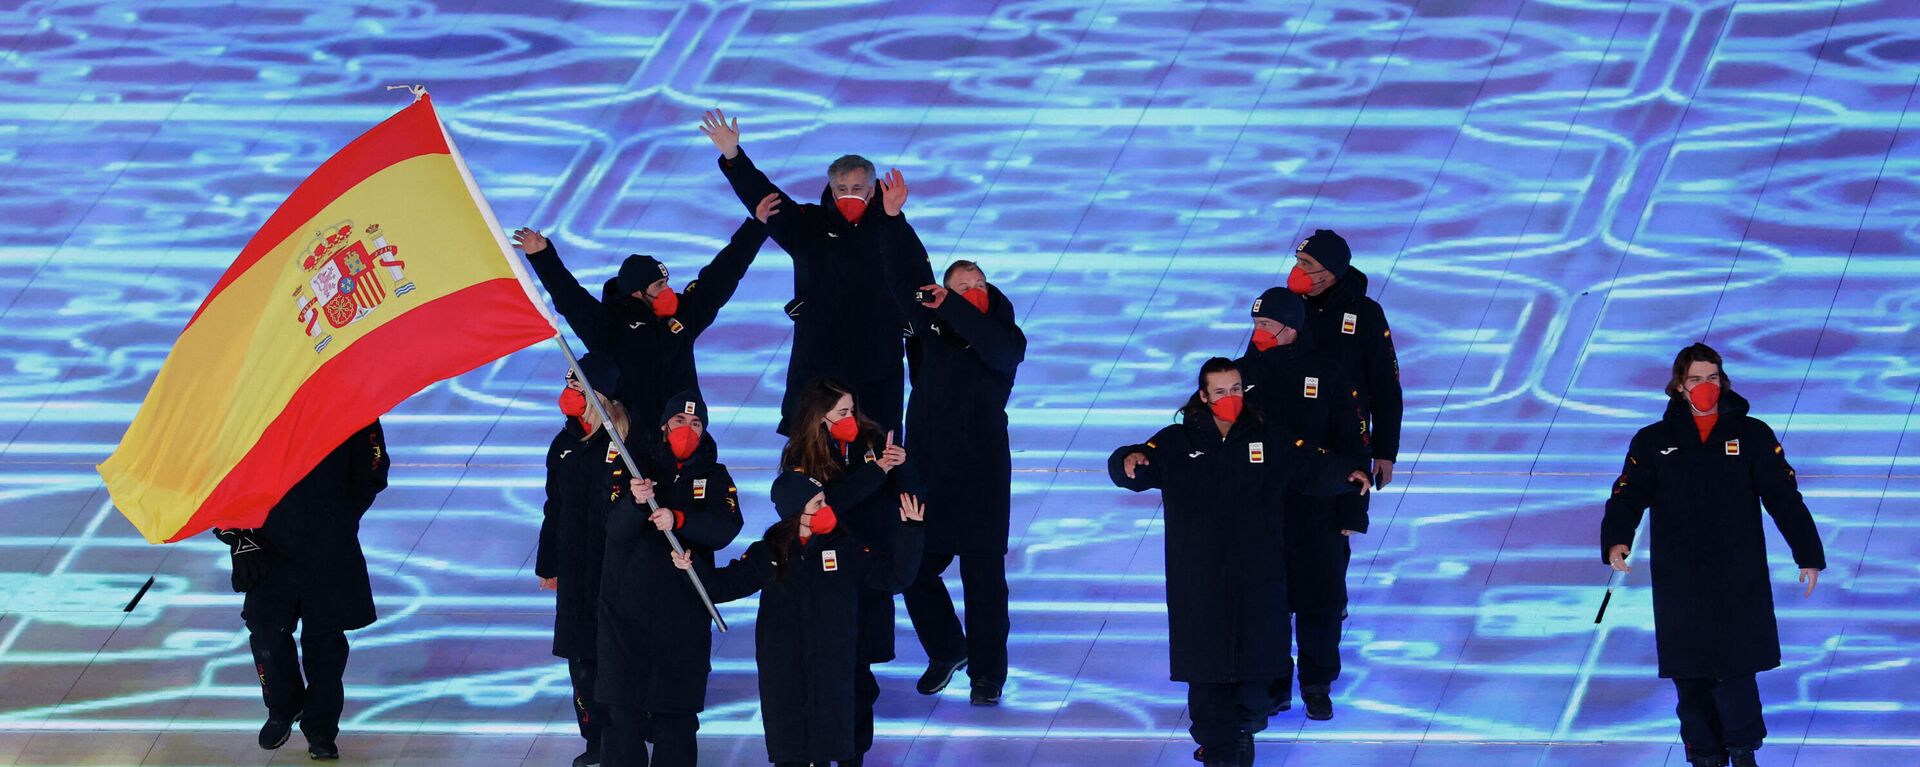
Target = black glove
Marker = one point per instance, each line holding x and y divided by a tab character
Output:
250	556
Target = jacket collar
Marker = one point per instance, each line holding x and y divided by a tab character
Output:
1679	418
1349	289
703	459
1202	425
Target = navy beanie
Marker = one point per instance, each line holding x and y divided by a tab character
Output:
602	373
639	271
791	492
1282	306
688	402
1329	249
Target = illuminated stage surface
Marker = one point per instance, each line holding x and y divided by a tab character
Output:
1551	197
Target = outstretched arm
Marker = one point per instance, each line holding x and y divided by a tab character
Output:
1132	466
740	578
707	293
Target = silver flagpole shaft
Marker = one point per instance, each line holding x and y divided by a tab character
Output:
606	422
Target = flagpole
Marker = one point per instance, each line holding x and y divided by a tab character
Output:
514	261
606	422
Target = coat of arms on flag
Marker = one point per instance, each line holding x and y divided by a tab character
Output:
344	280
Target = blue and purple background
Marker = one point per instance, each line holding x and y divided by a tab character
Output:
1550	197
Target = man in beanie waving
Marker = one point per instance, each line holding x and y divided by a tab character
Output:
639	320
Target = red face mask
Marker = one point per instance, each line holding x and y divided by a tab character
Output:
1228	408
845	430
1262	340
1299	281
823	521
1705	397
851	207
683	440
977	297
573	402
665	303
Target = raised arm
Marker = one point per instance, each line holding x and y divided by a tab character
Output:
1633	492
903	264
894	570
589	319
707	293
749	184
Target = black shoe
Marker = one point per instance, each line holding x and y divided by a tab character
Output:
275	732
589	759
1281	707
1319	705
984	695
1714	760
322	751
939	673
1241	755
1742	757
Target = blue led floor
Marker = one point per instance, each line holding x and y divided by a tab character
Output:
1550	198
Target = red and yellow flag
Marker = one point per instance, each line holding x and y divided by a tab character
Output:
384	272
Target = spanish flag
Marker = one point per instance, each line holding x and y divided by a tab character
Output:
384	272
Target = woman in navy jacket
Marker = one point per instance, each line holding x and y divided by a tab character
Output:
814	572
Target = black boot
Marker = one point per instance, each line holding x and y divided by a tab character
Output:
985	695
939	673
1240	755
322	751
1319	704
275	732
1707	760
1742	756
591	758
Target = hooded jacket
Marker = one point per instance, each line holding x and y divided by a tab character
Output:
1712	595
